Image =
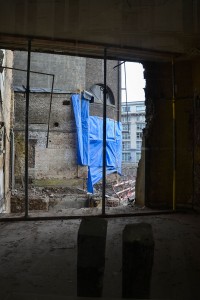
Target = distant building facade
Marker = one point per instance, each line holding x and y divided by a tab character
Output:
133	122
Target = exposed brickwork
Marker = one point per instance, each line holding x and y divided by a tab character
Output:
71	73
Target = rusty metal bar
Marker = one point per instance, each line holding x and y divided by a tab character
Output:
23	70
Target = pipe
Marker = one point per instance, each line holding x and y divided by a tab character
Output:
104	134
51	97
12	141
174	138
22	70
27	127
118	94
126	95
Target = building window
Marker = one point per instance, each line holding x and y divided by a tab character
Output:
126	156
138	145
126	108
125	127
126	145
140	118
138	155
126	136
138	135
97	91
125	119
140	108
140	126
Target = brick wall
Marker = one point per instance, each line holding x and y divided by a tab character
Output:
59	159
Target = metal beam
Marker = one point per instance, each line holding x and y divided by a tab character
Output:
104	134
27	127
84	48
120	215
173	137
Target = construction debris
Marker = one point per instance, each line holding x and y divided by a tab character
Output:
58	199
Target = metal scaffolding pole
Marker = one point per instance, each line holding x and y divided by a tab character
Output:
27	127
104	134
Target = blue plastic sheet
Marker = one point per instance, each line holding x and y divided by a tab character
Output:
81	114
90	142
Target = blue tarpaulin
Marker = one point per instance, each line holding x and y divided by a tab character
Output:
90	142
81	113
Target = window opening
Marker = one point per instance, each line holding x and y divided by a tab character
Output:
132	117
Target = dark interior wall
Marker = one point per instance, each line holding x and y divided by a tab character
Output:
159	134
196	134
184	132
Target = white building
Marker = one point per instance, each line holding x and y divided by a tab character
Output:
133	122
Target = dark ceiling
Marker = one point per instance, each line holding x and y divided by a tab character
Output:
130	29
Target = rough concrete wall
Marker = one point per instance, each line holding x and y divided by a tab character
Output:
158	134
69	71
6	117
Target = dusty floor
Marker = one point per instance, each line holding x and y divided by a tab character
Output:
39	258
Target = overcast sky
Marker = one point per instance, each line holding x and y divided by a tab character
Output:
135	82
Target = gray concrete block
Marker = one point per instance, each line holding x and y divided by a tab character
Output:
137	260
91	257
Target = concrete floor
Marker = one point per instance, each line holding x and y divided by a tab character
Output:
39	258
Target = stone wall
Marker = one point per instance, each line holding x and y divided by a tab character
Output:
59	159
6	116
71	73
95	75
